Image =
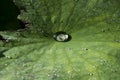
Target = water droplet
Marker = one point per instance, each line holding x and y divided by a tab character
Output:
62	36
90	74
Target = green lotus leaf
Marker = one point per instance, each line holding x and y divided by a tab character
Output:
93	53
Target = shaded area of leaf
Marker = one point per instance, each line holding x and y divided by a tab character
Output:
8	16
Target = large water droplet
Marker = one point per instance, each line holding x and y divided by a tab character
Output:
62	36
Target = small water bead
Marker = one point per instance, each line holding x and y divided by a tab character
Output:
90	74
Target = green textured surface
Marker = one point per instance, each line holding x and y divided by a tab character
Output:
92	54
